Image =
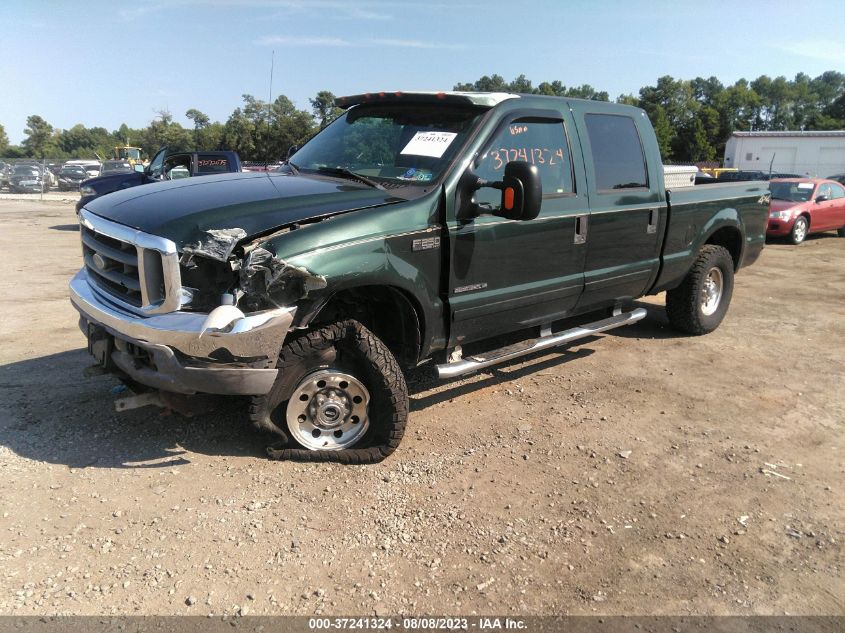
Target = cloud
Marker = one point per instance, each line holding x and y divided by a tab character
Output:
414	44
304	41
284	40
324	8
828	50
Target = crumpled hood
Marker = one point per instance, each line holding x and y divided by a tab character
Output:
183	210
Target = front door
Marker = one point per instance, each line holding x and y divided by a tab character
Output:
829	213
507	274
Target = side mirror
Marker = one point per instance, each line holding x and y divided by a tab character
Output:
821	199
522	191
293	149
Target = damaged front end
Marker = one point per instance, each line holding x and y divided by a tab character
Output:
229	280
268	281
236	305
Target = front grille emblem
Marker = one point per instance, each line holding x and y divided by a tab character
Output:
99	262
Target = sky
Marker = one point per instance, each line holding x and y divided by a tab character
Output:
103	63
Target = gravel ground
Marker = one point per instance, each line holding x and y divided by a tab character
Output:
635	473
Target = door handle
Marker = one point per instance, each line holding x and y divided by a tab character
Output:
580	229
653	219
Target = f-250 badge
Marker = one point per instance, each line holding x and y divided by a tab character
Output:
426	243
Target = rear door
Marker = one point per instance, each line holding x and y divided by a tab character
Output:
628	209
506	274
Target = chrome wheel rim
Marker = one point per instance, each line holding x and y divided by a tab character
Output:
711	292
800	230
328	411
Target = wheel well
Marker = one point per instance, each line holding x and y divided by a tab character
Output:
731	239
386	311
806	216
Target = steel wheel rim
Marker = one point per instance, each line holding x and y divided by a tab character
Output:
800	230
711	292
328	411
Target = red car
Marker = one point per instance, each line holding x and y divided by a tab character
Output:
800	206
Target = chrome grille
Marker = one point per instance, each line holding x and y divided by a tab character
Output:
112	264
135	269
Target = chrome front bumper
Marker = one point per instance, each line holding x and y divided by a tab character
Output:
179	352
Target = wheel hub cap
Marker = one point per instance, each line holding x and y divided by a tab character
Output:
711	292
328	410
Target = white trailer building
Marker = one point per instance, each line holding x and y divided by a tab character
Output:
819	154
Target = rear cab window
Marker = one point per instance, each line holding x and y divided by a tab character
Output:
210	164
618	158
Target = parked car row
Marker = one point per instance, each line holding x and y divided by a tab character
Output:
95	178
31	176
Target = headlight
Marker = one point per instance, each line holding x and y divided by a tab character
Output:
87	190
781	215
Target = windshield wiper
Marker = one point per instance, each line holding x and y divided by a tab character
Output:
349	174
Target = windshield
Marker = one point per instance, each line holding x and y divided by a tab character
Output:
25	169
129	152
117	167
408	144
792	191
73	171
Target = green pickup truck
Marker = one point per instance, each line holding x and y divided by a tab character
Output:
416	227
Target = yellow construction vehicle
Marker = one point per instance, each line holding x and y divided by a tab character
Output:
132	155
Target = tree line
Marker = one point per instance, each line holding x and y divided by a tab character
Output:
257	130
693	119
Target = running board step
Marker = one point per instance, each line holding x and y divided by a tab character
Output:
480	361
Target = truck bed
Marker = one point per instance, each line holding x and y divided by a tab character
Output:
697	211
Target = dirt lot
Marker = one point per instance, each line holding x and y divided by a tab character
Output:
621	475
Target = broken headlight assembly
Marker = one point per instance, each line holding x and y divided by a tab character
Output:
252	279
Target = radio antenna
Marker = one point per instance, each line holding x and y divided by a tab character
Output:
270	109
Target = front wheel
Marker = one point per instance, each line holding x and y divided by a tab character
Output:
699	304
340	396
799	230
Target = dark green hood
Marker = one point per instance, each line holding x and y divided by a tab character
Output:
184	209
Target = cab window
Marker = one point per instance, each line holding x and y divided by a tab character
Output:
837	192
210	164
178	166
618	158
824	190
540	143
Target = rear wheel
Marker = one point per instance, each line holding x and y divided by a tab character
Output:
799	230
699	304
340	396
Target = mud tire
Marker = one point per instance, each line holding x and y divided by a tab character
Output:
684	303
349	346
